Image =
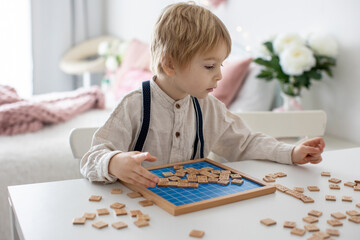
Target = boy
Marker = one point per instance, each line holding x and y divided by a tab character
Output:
161	121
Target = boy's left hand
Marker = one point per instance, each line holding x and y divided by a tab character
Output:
308	151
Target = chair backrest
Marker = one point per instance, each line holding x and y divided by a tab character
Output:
80	141
275	124
286	124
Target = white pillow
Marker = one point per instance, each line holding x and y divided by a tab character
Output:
255	94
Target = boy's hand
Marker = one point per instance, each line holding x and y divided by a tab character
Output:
127	167
308	151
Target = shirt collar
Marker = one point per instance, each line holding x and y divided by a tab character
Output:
164	99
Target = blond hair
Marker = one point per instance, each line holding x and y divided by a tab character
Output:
182	31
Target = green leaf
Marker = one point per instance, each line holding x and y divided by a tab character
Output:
313	74
266	74
269	46
262	62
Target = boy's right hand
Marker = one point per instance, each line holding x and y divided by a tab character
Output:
127	167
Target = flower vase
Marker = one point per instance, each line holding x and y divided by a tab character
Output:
290	103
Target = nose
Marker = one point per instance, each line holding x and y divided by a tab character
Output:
218	76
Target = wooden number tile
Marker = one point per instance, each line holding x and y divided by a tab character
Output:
310	219
117	205
280	174
119	225
334	186
332	232
235	176
134	194
146	203
315	213
320	235
223	182
350	184
89	216
95	198
299	189
298	231
79	221
311	228
334	180
196	233
347	199
99	224
353	213
325	174
145	217
354	219
288	224
134	213
237	181
268	221
281	188
313	188
103	211
119	212
167	174
334	222
269	179
178	167
330	197
307	199
141	223
338	215
116	191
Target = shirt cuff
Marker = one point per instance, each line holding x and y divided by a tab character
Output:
284	153
105	167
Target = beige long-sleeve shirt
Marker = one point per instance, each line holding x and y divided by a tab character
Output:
172	133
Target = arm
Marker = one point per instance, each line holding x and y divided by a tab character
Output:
109	158
237	142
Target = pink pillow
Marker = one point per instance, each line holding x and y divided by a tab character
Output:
233	75
136	57
131	80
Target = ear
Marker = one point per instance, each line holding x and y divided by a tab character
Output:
168	66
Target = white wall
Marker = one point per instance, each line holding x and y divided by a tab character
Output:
338	96
52	37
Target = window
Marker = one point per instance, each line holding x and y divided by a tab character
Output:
15	46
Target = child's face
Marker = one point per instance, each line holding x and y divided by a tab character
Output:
200	77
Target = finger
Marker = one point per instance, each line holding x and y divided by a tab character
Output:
315	142
142	181
144	156
311	150
313	159
316	162
146	174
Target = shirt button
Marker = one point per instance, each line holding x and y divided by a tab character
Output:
177	106
177	134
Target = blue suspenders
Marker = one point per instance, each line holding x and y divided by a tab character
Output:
146	122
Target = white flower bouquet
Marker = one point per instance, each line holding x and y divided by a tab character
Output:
113	52
295	62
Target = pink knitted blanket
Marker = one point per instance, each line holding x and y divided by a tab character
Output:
18	115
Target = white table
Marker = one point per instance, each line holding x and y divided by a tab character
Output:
46	210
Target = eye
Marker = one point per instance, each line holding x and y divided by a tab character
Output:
210	67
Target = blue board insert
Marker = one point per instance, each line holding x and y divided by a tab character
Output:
182	196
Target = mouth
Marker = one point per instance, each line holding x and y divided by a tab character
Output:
210	89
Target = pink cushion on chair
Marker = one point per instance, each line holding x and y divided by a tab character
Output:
136	57
131	81
233	75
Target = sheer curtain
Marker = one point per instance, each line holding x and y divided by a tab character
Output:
15	46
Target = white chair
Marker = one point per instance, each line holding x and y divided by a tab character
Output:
80	141
286	126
